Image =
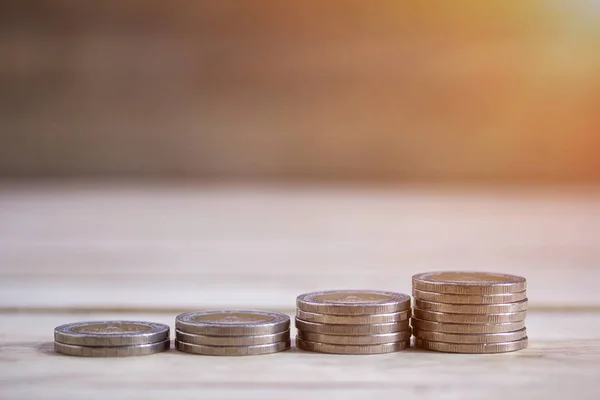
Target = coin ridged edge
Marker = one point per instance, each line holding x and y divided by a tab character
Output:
232	340
351	349
361	340
423	282
449	298
351	330
466	328
281	323
115	351
472	348
481	338
501	308
65	334
469	318
400	303
235	351
353	319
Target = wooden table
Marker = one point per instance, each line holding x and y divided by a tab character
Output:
71	252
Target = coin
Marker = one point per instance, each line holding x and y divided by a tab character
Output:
353	319
232	340
356	340
232	350
232	323
111	333
351	330
460	282
471	308
472	348
470	338
420	324
115	351
344	349
469	318
469	299
353	302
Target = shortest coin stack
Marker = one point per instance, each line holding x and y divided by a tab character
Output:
469	312
111	338
232	332
353	322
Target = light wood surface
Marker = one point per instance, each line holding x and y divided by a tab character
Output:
86	252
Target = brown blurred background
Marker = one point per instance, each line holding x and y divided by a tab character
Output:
375	90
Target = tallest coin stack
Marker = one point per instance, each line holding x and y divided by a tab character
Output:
469	312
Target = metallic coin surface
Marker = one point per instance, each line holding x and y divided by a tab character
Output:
469	299
472	348
232	350
344	349
471	308
351	330
114	351
232	340
462	282
232	323
353	319
470	338
469	318
420	324
356	340
111	333
353	302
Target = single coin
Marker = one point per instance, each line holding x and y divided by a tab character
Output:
232	323
351	330
471	308
111	333
472	348
232	350
353	319
469	318
470	338
344	349
353	302
423	325
461	282
356	340
232	340
115	351
469	299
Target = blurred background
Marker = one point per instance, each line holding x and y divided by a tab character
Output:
423	135
353	90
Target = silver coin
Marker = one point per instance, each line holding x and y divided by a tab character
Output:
469	282
232	350
232	323
471	308
351	330
449	298
353	302
469	318
472	348
111	333
345	349
422	325
232	340
353	319
356	340
115	351
473	338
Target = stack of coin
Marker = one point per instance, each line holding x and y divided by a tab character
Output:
232	332
469	312
353	322
111	338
